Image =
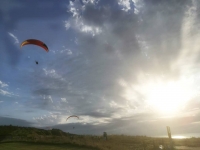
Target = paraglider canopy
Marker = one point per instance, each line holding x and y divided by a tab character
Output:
72	116
35	42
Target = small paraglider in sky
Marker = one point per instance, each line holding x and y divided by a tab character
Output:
35	42
72	116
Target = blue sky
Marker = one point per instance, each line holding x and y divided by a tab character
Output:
122	66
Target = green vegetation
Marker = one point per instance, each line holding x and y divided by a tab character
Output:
32	138
41	146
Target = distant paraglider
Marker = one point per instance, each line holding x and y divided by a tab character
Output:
35	42
72	116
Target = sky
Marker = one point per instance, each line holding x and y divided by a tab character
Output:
123	66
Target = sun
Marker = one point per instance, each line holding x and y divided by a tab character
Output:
168	97
158	95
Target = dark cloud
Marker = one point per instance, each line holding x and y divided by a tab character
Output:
14	122
96	114
161	31
135	126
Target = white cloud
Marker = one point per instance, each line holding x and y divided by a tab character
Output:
1	101
48	119
56	113
3	84
90	29
80	26
51	73
74	7
125	4
77	23
48	97
64	100
15	38
113	104
122	83
67	25
90	1
68	51
138	5
6	93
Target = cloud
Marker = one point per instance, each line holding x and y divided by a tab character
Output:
142	124
10	50
64	100
1	101
77	22
3	84
5	93
48	119
15	38
43	102
67	25
14	122
145	44
125	4
128	52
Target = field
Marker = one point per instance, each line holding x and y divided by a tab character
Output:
40	146
14	138
114	142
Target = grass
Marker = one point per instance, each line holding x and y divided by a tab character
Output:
21	138
114	142
41	146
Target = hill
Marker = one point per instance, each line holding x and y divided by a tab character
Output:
114	142
29	133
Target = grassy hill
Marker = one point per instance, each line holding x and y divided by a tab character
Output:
29	131
42	138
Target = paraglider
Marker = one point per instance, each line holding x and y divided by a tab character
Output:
72	116
35	42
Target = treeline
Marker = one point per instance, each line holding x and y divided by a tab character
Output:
29	131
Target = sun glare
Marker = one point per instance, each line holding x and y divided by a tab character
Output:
168	98
178	137
163	97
